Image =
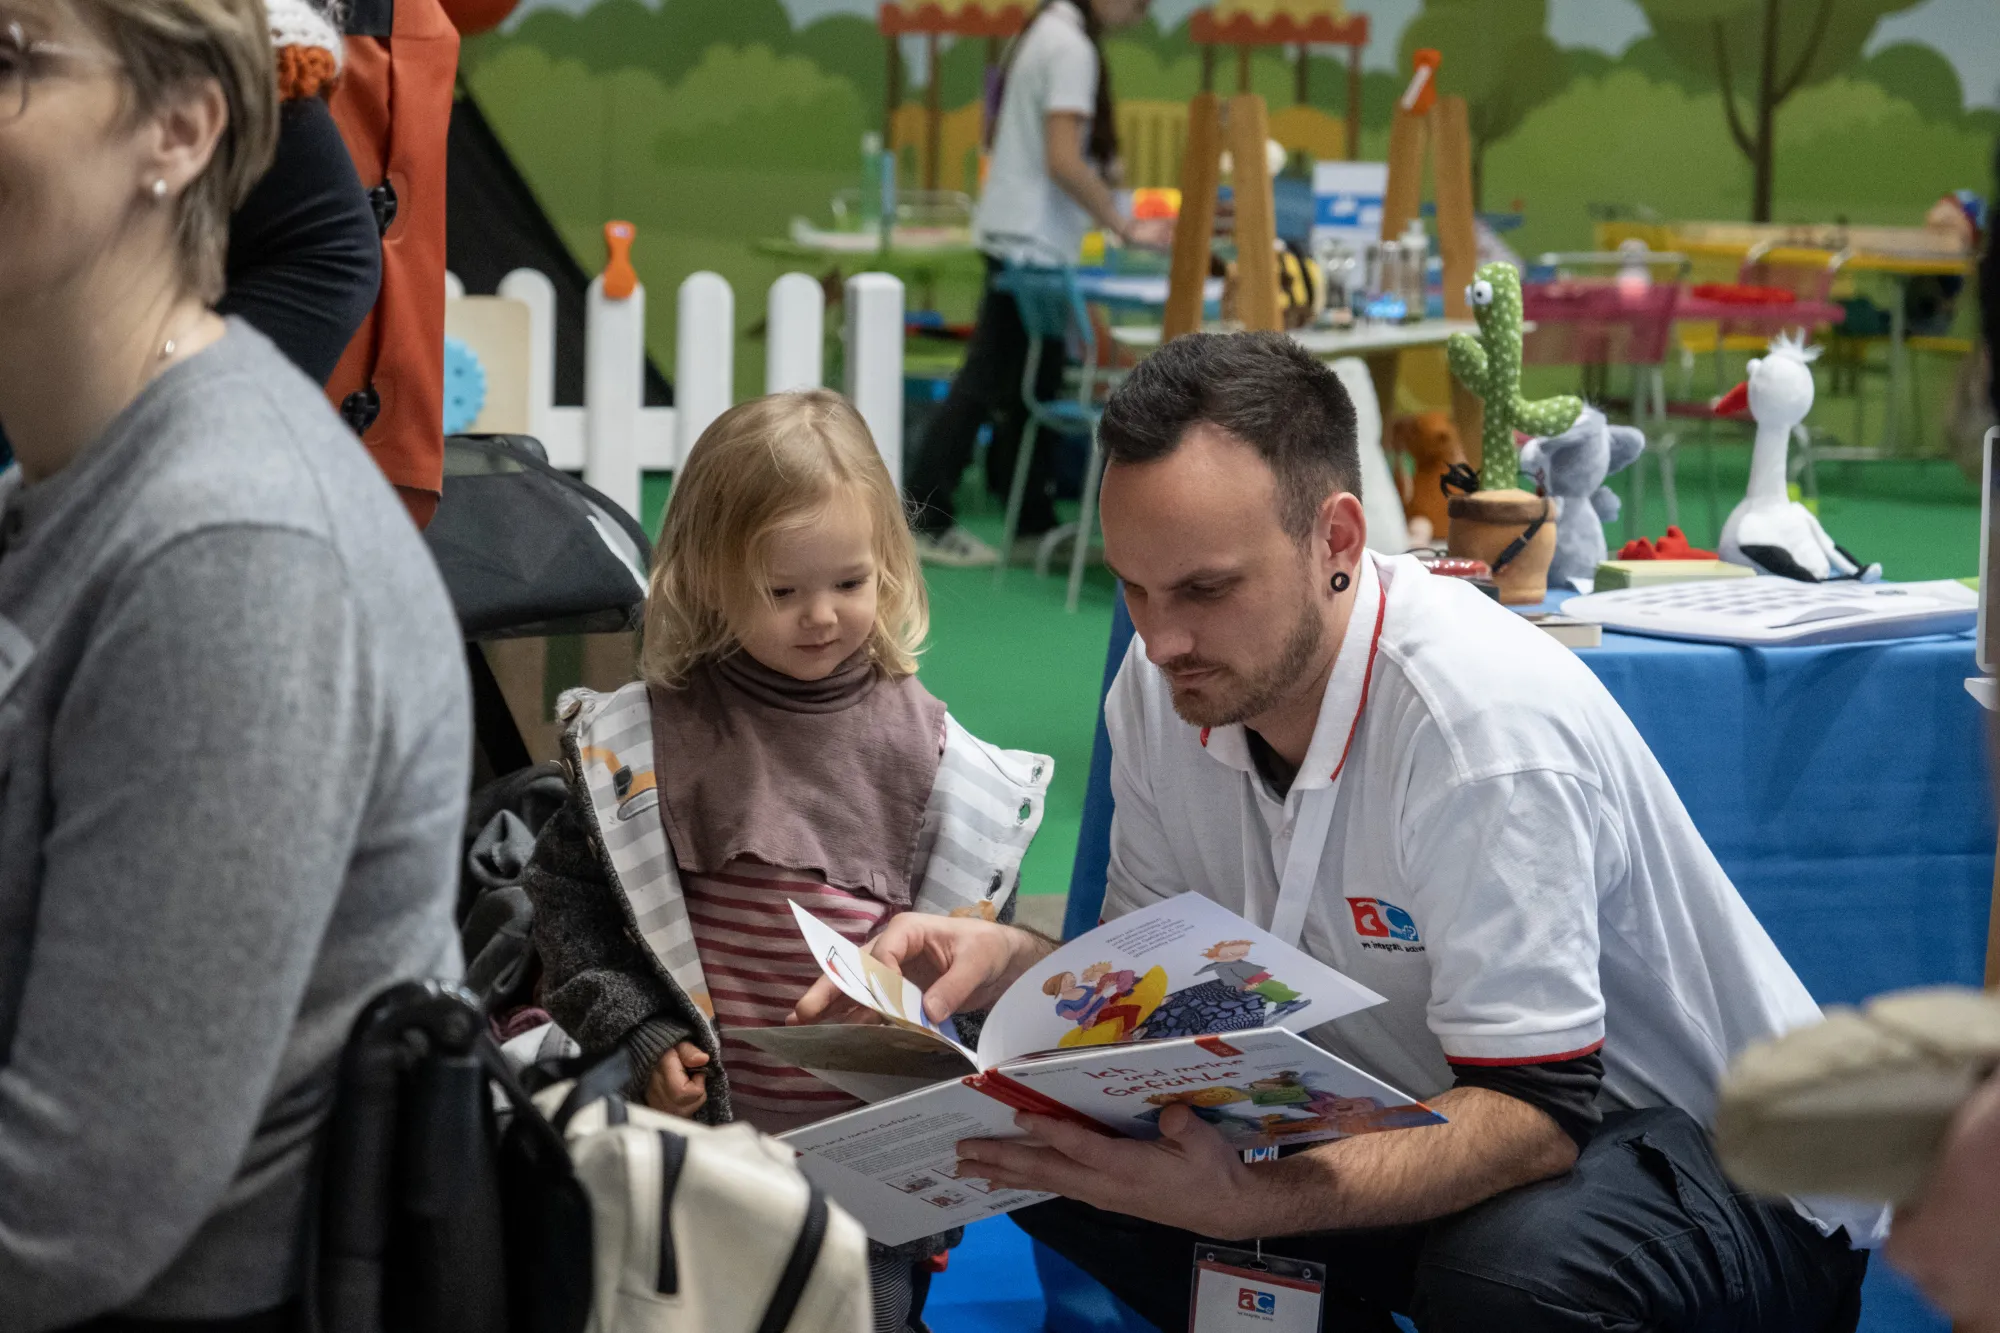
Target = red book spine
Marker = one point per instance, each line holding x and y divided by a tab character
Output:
1024	1098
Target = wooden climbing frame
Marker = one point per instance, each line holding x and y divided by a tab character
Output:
1247	127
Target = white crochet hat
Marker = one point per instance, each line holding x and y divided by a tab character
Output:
303	23
308	46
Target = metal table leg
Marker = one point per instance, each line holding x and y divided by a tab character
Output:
1899	363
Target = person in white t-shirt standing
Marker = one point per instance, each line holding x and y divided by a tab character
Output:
1434	797
1053	161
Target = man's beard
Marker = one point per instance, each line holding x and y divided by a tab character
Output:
1230	696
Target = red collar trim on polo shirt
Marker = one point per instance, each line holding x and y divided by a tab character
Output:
1368	677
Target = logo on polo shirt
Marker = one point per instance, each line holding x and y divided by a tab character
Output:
1375	920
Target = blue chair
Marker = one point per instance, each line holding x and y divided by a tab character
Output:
1052	311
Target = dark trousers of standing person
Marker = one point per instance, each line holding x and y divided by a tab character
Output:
988	388
284	1319
1643	1234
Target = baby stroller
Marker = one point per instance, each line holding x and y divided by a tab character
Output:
410	1229
526	552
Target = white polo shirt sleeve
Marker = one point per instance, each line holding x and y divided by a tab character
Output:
1071	72
1022	211
1142	869
1503	872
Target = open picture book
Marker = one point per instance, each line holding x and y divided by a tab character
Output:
1183	1001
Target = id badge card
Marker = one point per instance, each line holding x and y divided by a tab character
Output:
1245	1291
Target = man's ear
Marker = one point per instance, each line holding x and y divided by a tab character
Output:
1340	531
183	132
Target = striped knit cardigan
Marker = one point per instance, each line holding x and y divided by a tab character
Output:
985	806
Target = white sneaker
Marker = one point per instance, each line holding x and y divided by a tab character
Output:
955	547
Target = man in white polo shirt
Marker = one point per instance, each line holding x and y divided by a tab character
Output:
1435	798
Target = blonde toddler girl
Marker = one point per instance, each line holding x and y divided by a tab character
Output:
779	749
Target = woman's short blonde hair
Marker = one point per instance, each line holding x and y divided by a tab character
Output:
764	465
165	45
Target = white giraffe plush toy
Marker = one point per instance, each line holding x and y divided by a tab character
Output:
1769	531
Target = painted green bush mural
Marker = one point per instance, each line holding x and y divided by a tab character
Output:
752	108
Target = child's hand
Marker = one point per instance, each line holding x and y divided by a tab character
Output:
679	1082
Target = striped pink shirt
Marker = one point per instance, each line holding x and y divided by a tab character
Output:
757	966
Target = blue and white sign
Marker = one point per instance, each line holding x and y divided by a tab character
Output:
1347	202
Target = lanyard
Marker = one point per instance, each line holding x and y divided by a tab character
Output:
1314	820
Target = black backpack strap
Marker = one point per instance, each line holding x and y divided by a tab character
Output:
536	1135
1520	543
798	1268
601	1079
673	1156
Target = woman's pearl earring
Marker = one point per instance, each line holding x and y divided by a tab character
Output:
159	190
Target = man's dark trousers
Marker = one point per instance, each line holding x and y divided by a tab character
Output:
1644	1234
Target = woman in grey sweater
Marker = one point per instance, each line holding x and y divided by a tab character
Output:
233	718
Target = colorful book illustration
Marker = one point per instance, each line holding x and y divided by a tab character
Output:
1183	1001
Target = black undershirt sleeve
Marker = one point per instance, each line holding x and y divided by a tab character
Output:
1564	1090
305	258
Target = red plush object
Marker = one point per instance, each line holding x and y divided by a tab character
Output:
1673	546
475	16
1744	293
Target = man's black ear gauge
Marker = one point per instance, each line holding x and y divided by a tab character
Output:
1341	582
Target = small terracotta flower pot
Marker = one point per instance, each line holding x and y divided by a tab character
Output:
1486	523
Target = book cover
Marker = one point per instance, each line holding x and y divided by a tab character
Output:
1183	967
1259	1089
1183	1001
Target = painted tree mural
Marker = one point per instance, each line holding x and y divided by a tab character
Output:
1761	53
1498	57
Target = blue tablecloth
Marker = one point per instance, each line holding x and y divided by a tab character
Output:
1844	788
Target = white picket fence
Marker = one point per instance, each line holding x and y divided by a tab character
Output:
614	439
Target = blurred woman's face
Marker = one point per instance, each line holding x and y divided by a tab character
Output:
71	159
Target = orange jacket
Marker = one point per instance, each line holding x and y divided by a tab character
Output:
393	106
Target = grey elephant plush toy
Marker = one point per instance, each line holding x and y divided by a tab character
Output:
1572	467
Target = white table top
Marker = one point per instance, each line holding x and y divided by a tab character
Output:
1329	343
1138	291
909	240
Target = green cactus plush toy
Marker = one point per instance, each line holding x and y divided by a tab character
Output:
1490	366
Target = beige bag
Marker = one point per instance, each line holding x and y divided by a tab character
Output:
701	1229
1858	1106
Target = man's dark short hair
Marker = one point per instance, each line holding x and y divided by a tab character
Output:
1264	389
